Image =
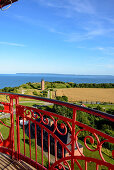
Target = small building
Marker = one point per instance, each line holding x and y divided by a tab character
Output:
64	138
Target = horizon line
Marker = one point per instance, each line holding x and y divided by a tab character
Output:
61	74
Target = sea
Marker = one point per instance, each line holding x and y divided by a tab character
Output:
13	80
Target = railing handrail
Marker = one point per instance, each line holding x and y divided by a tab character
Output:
69	105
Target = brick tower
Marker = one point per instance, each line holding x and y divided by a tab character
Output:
42	84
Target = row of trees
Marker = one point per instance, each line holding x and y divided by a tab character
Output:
60	84
10	89
41	94
90	85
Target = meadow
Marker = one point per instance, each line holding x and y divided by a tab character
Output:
87	94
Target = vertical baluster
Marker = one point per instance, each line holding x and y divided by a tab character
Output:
49	149
73	138
55	150
97	167
62	152
29	140
42	143
18	136
17	128
24	135
36	142
85	165
12	126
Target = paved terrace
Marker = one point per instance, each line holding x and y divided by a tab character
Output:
7	163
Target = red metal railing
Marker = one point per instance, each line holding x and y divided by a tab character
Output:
49	130
6	2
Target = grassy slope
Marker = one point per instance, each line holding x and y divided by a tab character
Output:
96	155
106	106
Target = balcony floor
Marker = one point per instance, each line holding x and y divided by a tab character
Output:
7	163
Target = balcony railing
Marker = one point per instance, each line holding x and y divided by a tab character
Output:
47	140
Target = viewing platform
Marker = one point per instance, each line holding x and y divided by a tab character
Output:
7	163
37	138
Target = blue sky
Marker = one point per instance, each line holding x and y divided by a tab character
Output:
58	36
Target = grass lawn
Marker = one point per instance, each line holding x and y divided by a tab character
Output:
96	155
30	104
106	106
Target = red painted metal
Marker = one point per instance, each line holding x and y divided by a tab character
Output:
55	150
40	123
6	2
6	107
42	143
35	143
29	140
49	150
24	136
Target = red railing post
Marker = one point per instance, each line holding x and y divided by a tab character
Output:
73	139
12	126
17	129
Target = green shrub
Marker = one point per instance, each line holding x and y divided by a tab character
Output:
35	93
1	107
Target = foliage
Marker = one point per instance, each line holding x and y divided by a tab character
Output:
25	86
10	89
94	85
3	120
44	92
35	85
99	108
110	111
35	93
62	110
1	107
60	84
63	98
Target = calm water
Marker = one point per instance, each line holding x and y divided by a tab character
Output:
12	80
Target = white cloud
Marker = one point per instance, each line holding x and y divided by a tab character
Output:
90	34
80	6
100	48
74	37
105	50
81	30
12	44
108	66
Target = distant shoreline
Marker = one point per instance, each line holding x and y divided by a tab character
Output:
63	74
13	80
